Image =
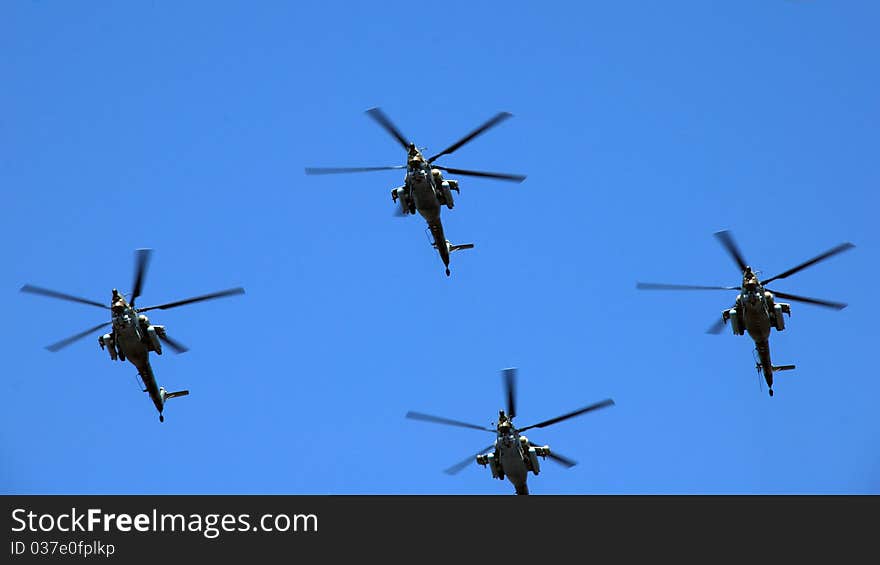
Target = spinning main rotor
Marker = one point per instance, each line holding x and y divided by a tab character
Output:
750	280
505	422
142	261
379	116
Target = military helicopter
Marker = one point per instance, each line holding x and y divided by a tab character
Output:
133	337
424	189
514	455
755	310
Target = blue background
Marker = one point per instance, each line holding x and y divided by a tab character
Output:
643	128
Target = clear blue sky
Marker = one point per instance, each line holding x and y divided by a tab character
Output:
643	128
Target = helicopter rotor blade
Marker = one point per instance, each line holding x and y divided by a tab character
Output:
716	327
55	294
464	462
174	344
499	176
65	342
383	120
337	170
830	253
213	295
142	261
584	410
564	461
494	121
808	300
510	391
727	240
449	422
664	286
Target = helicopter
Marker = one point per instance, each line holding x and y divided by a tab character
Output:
755	309
133	336
514	455
425	190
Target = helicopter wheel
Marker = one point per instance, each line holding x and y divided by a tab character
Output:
447	271
771	392
161	418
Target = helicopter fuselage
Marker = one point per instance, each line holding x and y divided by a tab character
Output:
756	308
132	339
424	194
513	462
425	191
513	459
757	313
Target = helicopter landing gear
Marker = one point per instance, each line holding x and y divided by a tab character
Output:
161	418
447	271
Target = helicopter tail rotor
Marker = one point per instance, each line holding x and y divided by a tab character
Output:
169	395
459	246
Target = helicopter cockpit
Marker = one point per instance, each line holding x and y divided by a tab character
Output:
120	315
505	428
417	166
